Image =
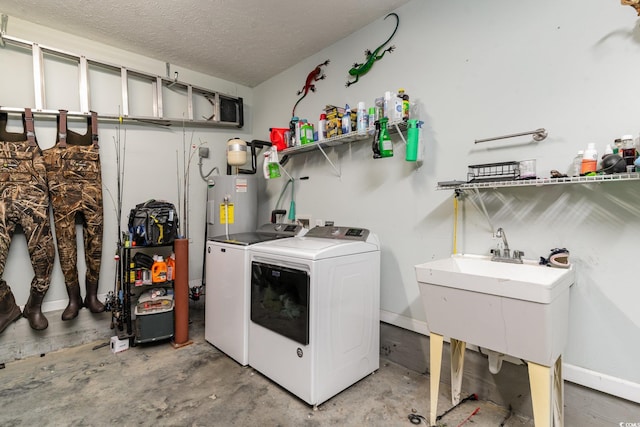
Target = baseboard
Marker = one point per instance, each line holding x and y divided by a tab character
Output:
605	383
587	378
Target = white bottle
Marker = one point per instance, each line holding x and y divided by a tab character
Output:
363	119
389	104
577	163
346	120
322	127
397	109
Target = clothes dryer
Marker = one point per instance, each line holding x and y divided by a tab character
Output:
227	271
315	310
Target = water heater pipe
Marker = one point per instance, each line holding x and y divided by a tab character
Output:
181	294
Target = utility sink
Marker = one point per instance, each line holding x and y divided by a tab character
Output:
519	310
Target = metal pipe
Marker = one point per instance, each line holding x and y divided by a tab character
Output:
538	135
3	28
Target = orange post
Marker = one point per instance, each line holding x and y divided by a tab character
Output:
181	294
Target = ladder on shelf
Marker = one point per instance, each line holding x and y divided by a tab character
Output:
225	110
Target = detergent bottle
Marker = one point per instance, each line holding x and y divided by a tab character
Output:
589	160
171	267
159	270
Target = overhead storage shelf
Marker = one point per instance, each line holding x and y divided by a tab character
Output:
202	107
539	182
397	126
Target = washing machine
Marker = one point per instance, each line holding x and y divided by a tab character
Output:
315	310
227	271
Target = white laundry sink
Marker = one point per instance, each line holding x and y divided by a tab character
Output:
519	310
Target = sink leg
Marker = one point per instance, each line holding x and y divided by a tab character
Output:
457	365
547	394
435	365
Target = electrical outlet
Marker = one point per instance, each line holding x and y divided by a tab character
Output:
304	221
203	152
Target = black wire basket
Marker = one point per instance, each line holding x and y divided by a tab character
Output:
488	172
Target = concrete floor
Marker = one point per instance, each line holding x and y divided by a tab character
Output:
197	385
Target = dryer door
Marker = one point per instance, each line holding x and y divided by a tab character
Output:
280	300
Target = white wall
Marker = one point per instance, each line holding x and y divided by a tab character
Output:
152	157
477	70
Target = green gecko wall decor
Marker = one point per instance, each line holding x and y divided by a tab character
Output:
361	69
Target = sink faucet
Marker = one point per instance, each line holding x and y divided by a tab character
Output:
500	234
505	255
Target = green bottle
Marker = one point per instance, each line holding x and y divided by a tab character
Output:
384	141
412	140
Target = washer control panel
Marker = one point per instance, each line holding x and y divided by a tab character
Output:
336	232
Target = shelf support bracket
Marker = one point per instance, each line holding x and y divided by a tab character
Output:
400	133
329	160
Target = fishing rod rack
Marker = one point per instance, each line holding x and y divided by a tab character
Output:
221	110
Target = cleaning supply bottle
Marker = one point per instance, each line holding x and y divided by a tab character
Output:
386	146
589	160
322	127
132	272
371	120
628	152
306	132
388	104
577	163
362	119
346	120
413	135
295	131
405	103
171	267
159	270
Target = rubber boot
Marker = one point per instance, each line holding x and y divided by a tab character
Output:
9	311
33	311
75	303
91	299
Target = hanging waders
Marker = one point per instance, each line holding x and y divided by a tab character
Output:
75	187
24	201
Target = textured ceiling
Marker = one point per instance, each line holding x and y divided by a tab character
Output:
243	41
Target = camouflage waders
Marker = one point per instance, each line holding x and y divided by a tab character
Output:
75	188
24	201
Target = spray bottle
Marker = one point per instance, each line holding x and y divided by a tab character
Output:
270	165
386	146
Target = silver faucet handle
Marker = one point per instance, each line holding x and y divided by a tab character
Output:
518	254
496	253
